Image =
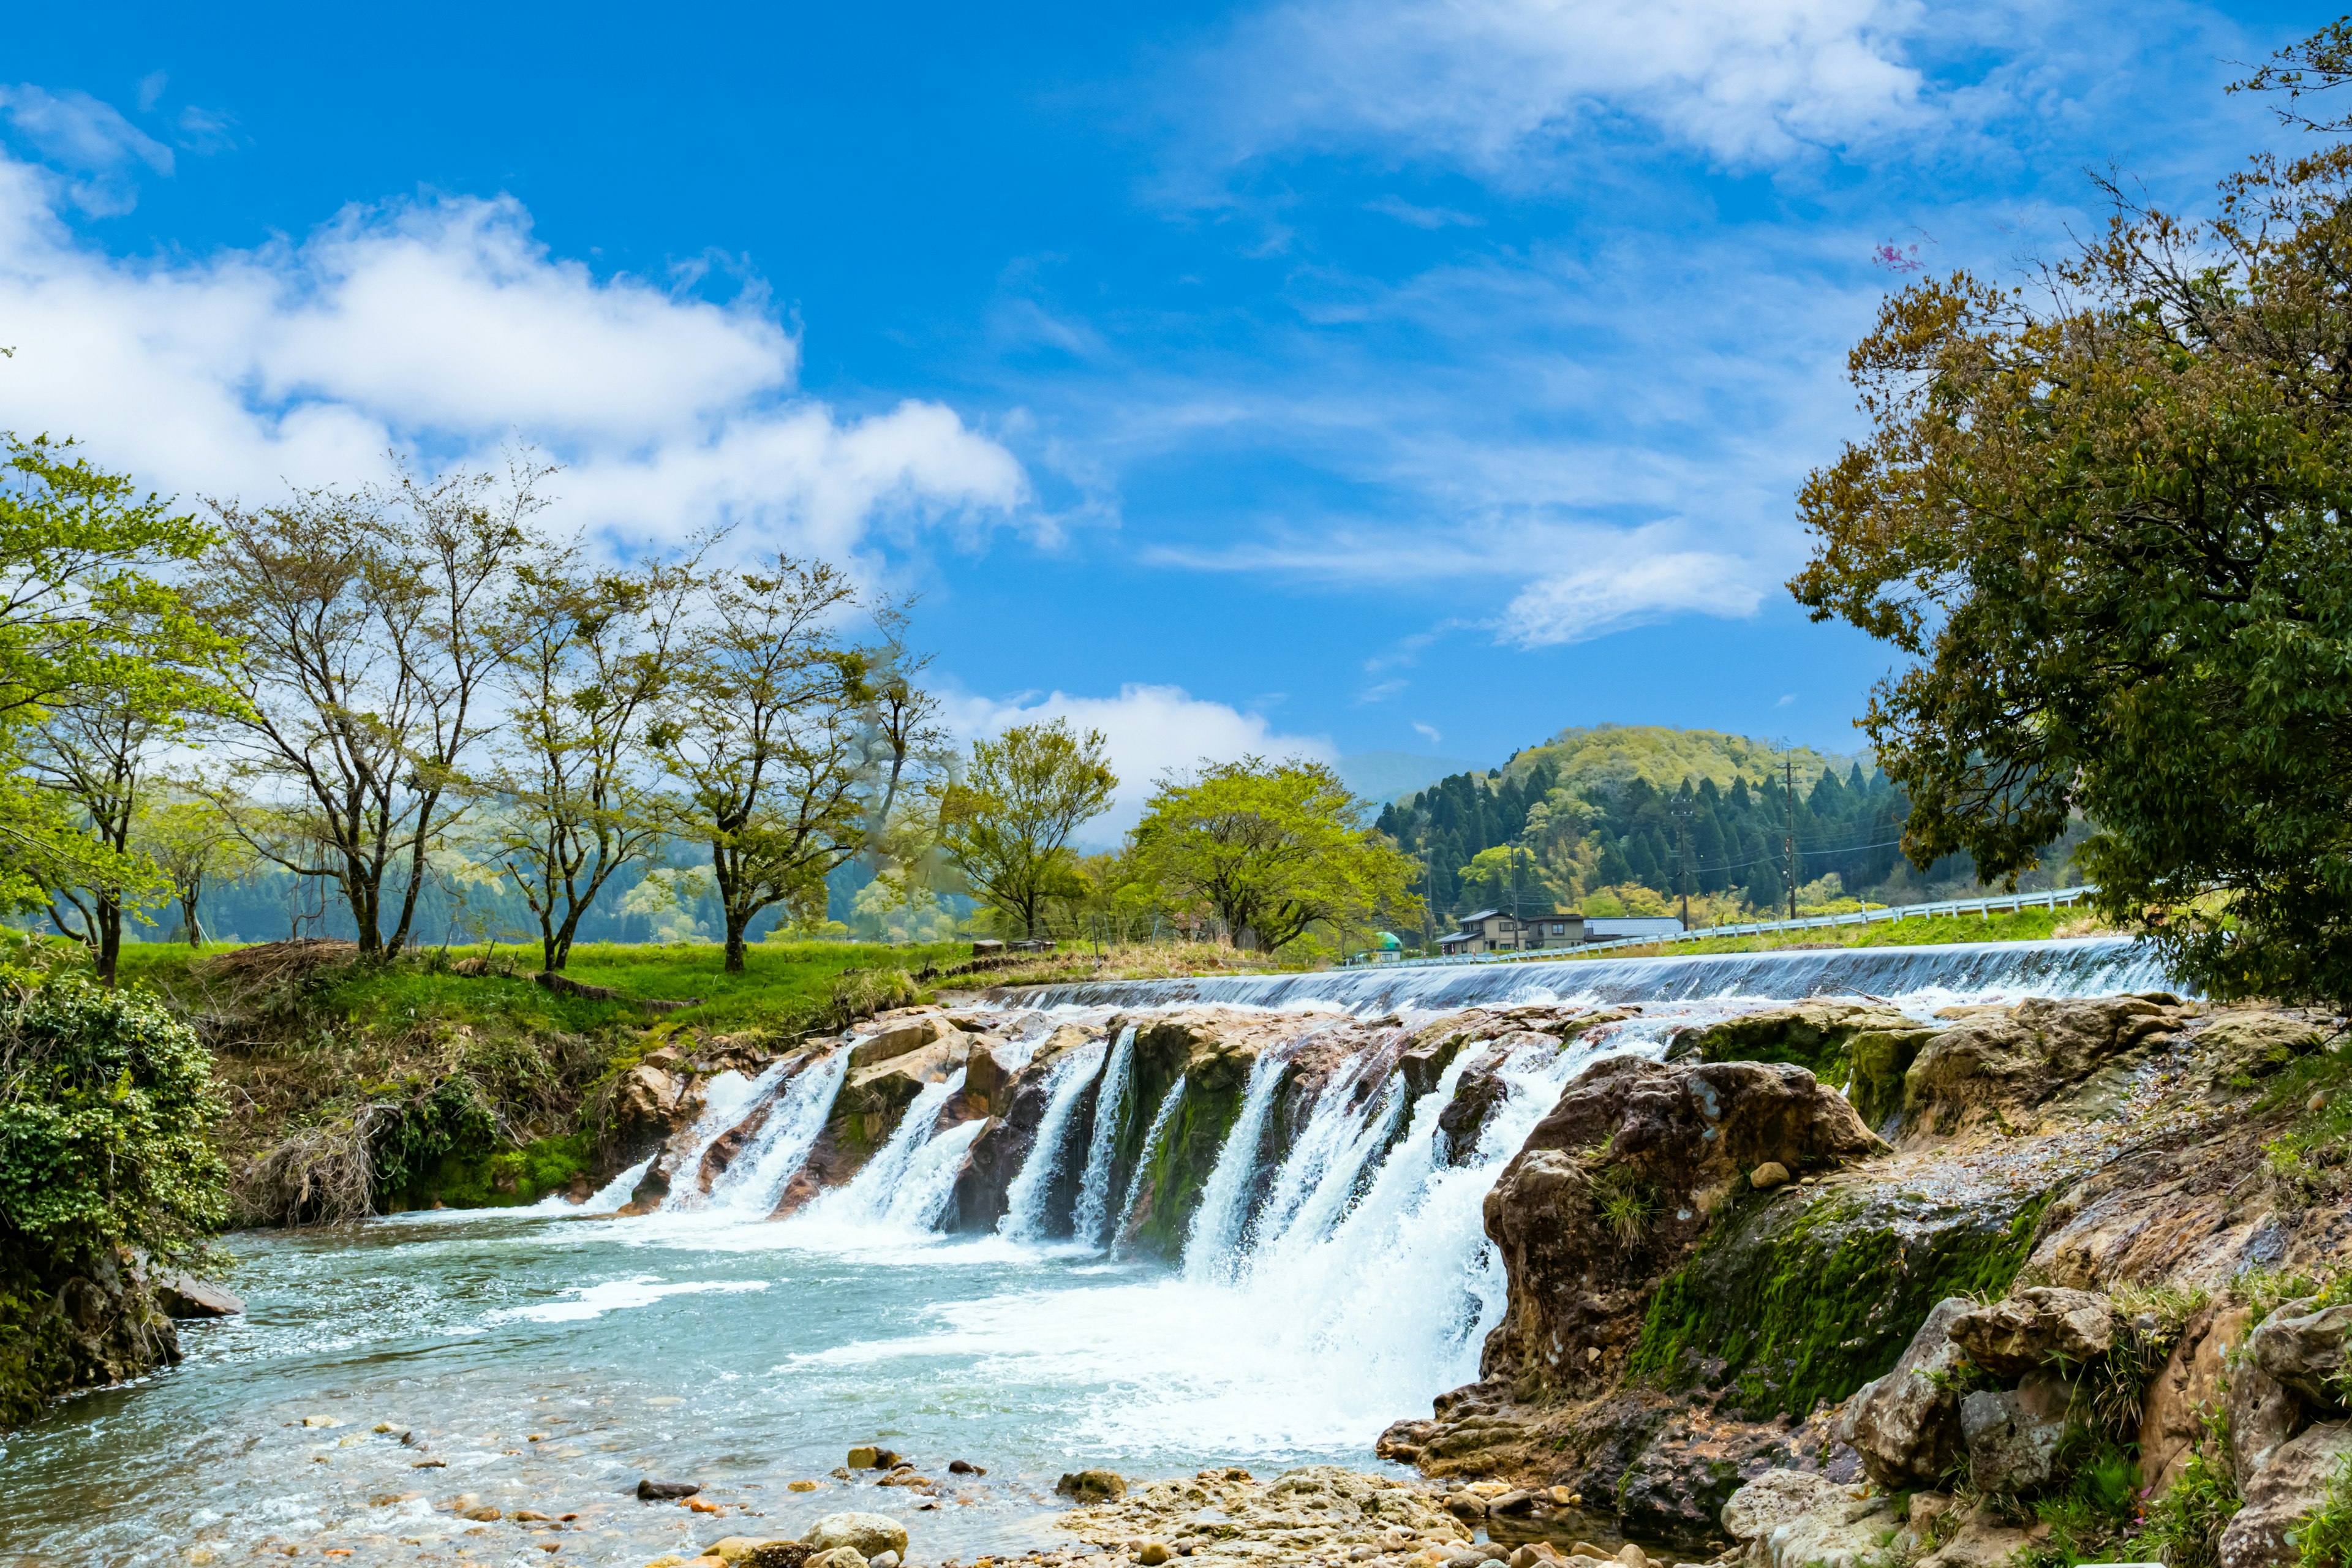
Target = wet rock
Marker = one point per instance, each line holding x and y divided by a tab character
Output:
2000	1067
868	1534
1906	1424
1462	1122
1788	1519
1618	1180
2036	1326
837	1557
652	1490
898	1040
2012	1436
865	1457
780	1555
186	1295
1091	1486
2280	1494
644	1112
964	1467
1153	1553
2305	1351
1817	1035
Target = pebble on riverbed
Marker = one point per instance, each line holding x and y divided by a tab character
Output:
1320	1512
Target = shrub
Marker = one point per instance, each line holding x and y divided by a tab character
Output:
106	1106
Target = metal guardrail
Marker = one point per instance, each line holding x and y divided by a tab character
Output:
1891	914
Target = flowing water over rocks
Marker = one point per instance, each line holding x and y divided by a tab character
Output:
1155	1227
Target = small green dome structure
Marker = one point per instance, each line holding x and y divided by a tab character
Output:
1387	942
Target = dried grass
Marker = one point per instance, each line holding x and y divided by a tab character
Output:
276	962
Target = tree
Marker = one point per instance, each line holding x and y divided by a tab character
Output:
193	847
1007	822
371	631
2112	521
761	729
1275	848
590	655
100	662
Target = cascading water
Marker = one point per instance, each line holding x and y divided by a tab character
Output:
1142	1171
1025	1201
1092	1215
1217	1223
1338	1144
1992	971
868	1200
726	1101
758	1177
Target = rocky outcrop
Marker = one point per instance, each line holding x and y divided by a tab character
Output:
1006	1142
2303	1350
1866	1046
2185	1391
2280	1494
871	1103
1787	1519
77	1326
2012	1435
2003	1068
1905	1425
1619	1181
2035	1326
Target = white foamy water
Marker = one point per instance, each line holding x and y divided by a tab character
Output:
1066	1085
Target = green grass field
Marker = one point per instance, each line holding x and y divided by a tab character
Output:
782	984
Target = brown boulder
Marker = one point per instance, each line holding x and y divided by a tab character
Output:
1617	1181
2000	1068
644	1112
2036	1327
1906	1424
2172	1417
2281	1495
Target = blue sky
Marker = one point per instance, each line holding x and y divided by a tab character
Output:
1331	376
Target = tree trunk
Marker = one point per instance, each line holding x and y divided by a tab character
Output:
189	925
109	938
735	944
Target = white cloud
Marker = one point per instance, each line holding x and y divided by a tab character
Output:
1593	600
1480	82
1151	731
445	326
1428	732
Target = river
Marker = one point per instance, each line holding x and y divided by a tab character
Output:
548	1359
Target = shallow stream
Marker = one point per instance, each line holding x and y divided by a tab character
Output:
549	1359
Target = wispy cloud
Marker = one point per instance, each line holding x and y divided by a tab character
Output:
93	152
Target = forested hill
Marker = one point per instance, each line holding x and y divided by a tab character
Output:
1597	816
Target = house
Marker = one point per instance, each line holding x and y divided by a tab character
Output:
1503	930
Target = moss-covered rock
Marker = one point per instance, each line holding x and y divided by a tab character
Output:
501	1179
76	1327
1809	1293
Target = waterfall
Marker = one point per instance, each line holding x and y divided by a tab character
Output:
1025	1201
1224	1201
1111	1107
727	1098
756	1178
921	1198
867	1201
1142	1171
1987	970
1312	1191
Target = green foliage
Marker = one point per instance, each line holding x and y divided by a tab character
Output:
1275	848
106	1102
1801	1298
2107	527
861	993
1006	823
2324	1539
1624	1202
505	1178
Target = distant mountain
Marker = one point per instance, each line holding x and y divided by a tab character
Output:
1384	777
1615	753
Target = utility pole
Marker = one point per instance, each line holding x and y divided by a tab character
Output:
1789	764
1682	848
1429	898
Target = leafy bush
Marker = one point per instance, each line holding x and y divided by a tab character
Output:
106	1104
